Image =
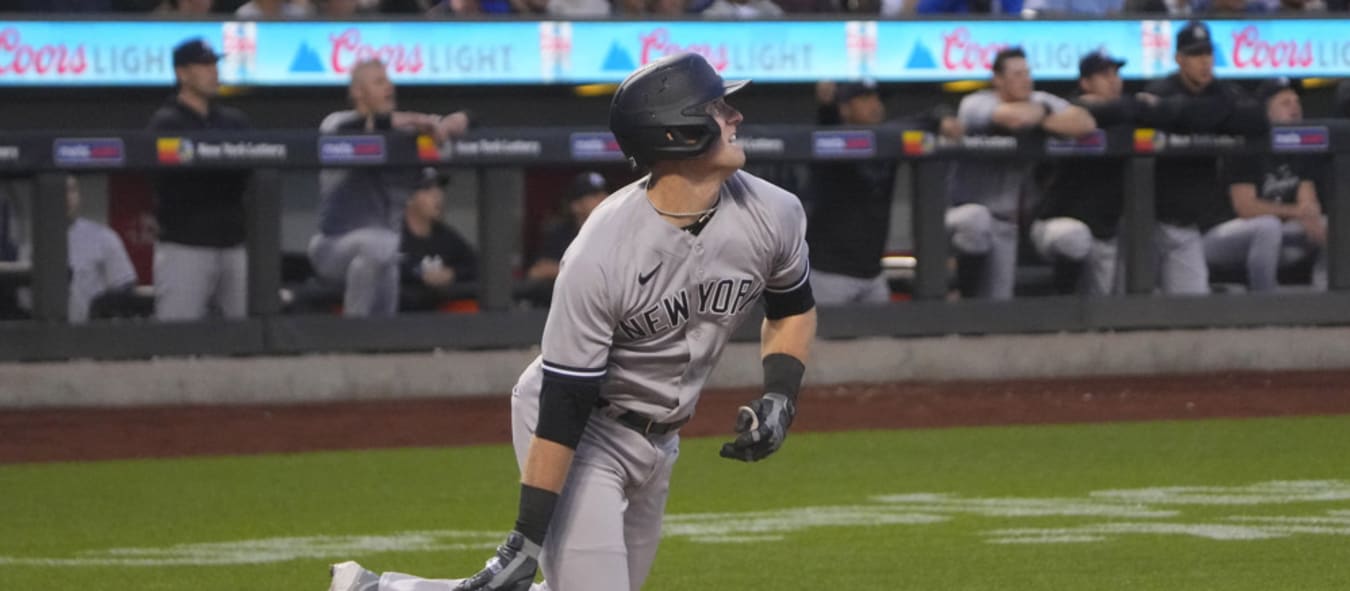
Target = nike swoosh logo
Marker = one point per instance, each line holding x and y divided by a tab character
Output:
643	279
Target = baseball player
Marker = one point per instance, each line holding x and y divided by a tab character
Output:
200	260
362	209
986	195
655	283
1270	215
1186	185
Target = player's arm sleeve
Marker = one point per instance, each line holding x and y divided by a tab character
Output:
577	339
976	111
788	289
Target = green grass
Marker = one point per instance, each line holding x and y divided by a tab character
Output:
75	513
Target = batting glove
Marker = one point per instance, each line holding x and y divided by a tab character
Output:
762	427
512	569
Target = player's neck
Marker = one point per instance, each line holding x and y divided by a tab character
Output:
194	101
683	192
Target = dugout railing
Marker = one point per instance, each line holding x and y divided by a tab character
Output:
499	157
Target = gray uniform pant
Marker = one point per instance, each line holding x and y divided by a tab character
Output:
1181	260
365	261
834	289
607	524
1069	239
1260	245
189	279
976	232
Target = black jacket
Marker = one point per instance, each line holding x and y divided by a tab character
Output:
848	207
200	208
1185	187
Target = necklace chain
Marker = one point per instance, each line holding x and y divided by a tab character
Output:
691	214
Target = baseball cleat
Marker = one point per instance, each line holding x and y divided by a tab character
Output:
350	576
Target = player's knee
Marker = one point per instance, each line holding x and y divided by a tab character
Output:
970	226
1069	239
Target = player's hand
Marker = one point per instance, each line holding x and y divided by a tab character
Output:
825	90
511	569
762	426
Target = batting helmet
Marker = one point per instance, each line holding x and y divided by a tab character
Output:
660	111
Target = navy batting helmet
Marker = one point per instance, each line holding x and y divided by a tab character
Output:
660	110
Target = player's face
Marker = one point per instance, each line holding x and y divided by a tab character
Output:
726	153
1014	83
1106	84
1196	69
372	91
200	79
1284	107
428	203
864	109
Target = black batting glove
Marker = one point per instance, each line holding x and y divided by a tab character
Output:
511	569
762	426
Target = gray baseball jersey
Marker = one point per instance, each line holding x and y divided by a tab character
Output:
649	306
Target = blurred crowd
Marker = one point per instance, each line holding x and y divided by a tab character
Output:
718	9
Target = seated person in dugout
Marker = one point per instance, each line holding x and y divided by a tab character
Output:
581	197
986	196
435	262
1270	216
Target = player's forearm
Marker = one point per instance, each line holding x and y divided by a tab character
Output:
1073	121
546	465
790	335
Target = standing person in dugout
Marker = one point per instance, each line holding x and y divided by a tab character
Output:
648	294
849	203
1185	186
986	195
200	261
361	212
1270	215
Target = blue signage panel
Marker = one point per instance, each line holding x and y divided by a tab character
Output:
310	53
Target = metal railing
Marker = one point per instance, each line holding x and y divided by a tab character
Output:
500	155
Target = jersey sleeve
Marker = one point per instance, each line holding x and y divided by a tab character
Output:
1055	103
976	111
581	321
787	291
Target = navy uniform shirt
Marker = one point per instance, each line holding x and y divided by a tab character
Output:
200	208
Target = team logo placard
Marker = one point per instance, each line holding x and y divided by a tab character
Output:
844	144
1092	143
1148	141
427	150
88	151
917	143
1300	139
174	150
595	146
351	149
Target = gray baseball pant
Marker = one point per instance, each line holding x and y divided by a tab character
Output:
1262	244
1181	260
976	232
188	279
834	289
607	524
1065	238
365	261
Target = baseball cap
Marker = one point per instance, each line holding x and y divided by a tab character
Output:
1274	86
851	90
584	184
1195	39
432	178
194	51
1098	61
